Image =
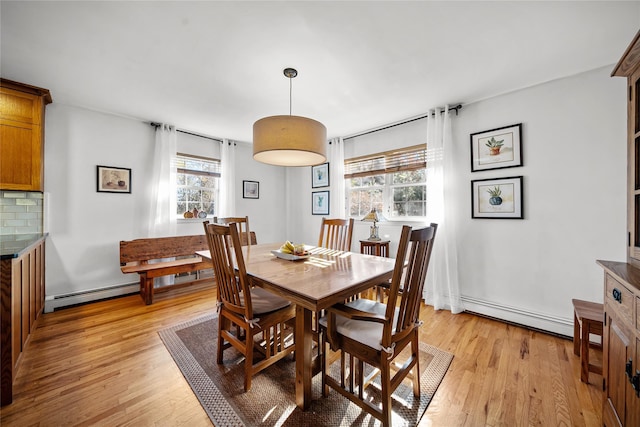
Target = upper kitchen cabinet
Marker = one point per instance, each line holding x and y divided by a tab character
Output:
22	135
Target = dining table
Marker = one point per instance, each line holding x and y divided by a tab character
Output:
313	282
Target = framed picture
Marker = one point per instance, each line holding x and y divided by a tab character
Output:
113	180
497	148
320	203
250	190
497	198
320	175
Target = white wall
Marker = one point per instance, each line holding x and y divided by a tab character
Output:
574	149
86	227
266	214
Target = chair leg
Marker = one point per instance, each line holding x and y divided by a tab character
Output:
584	349
221	327
323	364
416	369
385	381
248	361
360	379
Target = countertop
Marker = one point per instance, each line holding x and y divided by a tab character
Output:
12	245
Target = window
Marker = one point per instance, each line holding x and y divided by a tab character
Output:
394	183
197	182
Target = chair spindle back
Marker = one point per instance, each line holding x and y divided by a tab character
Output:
229	268
336	234
415	246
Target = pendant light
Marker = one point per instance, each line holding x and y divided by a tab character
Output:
289	140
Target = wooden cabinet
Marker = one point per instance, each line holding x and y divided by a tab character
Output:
22	136
22	294
621	344
621	335
629	67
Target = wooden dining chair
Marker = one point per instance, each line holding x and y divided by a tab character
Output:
336	234
247	237
373	333
245	312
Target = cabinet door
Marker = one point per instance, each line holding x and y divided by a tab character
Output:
21	136
633	154
617	345
21	160
633	395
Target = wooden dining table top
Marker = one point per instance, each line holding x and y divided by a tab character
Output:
319	281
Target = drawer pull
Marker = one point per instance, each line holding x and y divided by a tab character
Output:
628	369
617	295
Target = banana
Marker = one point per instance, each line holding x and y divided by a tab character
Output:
287	247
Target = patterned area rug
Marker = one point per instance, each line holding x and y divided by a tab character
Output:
271	400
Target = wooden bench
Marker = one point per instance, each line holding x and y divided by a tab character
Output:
145	257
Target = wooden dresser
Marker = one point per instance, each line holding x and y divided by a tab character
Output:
621	334
621	344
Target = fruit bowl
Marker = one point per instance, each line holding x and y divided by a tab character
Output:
290	257
291	252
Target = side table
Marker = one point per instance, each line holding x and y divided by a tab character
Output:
375	247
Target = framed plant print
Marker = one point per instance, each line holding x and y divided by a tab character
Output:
250	190
497	148
320	203
497	198
320	175
111	179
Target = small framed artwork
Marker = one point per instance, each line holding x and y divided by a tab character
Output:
320	175
497	198
250	190
497	148
110	179
320	203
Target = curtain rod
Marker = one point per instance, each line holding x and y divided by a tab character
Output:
456	108
155	125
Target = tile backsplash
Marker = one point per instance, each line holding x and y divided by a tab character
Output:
21	212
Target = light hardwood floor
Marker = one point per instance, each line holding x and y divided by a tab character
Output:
104	364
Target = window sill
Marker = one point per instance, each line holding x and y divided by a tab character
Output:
193	220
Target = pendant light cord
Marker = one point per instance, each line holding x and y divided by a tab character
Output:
290	73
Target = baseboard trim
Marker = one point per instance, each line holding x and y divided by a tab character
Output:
540	321
535	320
53	302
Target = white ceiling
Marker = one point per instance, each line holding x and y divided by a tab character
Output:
213	67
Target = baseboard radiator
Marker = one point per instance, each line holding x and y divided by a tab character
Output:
54	302
527	318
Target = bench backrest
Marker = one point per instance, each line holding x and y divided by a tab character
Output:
161	247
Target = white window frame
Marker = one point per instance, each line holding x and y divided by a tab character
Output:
386	164
196	172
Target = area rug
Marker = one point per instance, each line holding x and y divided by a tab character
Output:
271	400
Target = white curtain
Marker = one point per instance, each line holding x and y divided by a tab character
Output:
441	289
162	218
336	178
227	205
